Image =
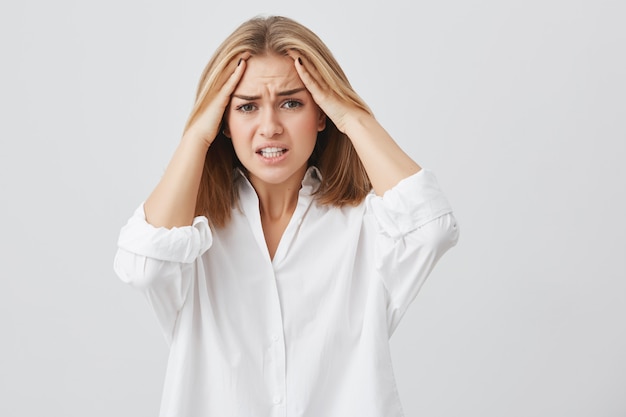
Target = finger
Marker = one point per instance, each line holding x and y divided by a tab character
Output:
313	72
330	103
211	110
305	75
231	83
326	98
311	79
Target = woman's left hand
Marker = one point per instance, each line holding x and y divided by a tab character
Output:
336	108
385	162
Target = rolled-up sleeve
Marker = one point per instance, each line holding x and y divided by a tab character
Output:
160	262
178	244
415	228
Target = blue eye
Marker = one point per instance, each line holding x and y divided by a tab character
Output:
292	104
246	108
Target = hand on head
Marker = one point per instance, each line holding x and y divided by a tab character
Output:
207	120
337	109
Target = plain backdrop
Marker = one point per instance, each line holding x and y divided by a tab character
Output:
518	106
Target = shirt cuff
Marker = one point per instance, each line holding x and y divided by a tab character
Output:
413	202
178	244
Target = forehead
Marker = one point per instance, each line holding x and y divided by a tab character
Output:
268	72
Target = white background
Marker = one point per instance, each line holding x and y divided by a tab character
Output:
518	106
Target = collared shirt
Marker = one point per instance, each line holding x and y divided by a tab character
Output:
305	333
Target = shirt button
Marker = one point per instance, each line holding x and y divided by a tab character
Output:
275	338
277	399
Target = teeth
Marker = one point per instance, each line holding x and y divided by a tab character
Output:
272	152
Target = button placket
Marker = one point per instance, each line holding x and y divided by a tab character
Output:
277	355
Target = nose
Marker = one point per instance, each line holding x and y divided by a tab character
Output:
270	124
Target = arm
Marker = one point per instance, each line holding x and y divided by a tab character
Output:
414	227
159	262
159	244
173	201
385	162
413	219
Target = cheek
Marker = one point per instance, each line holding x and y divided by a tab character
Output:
308	123
237	133
307	129
236	126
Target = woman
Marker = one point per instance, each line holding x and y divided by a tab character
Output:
285	240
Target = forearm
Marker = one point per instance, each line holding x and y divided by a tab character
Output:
385	162
173	201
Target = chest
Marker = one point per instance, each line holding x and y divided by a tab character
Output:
322	280
317	253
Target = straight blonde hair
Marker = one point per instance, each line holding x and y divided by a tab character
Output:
344	180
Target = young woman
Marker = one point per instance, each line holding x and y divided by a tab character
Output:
285	240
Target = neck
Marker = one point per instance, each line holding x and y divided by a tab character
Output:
277	204
277	201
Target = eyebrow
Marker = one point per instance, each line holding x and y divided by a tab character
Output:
280	94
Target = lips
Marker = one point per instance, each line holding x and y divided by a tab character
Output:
271	152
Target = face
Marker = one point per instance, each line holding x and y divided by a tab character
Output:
273	121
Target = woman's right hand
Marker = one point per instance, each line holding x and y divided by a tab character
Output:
206	121
173	202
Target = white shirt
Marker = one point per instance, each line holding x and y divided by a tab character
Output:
304	334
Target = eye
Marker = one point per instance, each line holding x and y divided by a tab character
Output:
246	108
291	104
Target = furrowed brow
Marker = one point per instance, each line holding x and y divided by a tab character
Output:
280	94
291	92
247	98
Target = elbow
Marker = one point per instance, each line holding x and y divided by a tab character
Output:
142	272
441	234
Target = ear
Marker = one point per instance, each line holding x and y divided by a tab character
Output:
321	122
226	131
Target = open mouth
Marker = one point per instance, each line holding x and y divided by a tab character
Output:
272	152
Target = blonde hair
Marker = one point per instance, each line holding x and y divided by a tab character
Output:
344	180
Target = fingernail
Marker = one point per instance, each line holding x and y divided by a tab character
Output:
300	60
239	61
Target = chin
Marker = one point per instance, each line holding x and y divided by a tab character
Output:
277	176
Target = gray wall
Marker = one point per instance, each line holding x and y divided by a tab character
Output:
519	107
